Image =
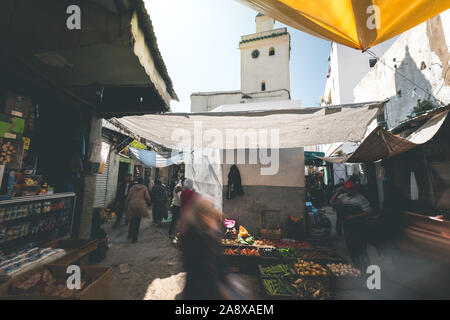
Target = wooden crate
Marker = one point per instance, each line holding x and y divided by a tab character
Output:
98	287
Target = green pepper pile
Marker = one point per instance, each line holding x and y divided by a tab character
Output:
277	286
289	253
246	241
277	270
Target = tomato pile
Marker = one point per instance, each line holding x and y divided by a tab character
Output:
231	252
242	252
250	252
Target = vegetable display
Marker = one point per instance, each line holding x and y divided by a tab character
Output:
249	252
282	243
245	241
277	270
277	286
289	253
231	252
228	241
342	269
311	289
242	252
309	268
269	252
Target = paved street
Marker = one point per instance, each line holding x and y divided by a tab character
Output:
155	269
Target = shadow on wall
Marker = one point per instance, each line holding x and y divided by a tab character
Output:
402	105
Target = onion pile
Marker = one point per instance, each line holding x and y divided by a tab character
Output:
342	269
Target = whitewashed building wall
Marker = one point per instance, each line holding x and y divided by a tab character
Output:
420	54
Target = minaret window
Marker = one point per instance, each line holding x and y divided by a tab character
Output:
263	86
272	51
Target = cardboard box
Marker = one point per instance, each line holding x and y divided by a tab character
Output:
18	105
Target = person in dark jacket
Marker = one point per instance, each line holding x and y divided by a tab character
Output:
122	192
234	183
160	201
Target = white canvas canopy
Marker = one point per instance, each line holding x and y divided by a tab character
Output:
294	128
257	129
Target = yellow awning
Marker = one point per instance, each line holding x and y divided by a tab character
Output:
359	24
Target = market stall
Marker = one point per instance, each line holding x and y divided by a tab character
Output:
289	269
38	193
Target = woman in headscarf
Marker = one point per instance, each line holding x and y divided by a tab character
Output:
187	194
160	201
136	208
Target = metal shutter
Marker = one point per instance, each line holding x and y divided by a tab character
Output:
100	187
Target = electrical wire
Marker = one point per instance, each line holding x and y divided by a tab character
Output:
403	76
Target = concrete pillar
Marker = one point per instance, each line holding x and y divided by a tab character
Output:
95	142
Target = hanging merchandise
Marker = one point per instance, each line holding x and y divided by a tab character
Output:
234	183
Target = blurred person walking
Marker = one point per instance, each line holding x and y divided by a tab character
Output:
136	207
207	277
160	201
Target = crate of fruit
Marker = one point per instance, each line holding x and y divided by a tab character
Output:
310	269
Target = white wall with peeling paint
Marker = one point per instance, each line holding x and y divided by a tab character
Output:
422	56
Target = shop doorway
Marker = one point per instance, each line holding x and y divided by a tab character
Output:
124	169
